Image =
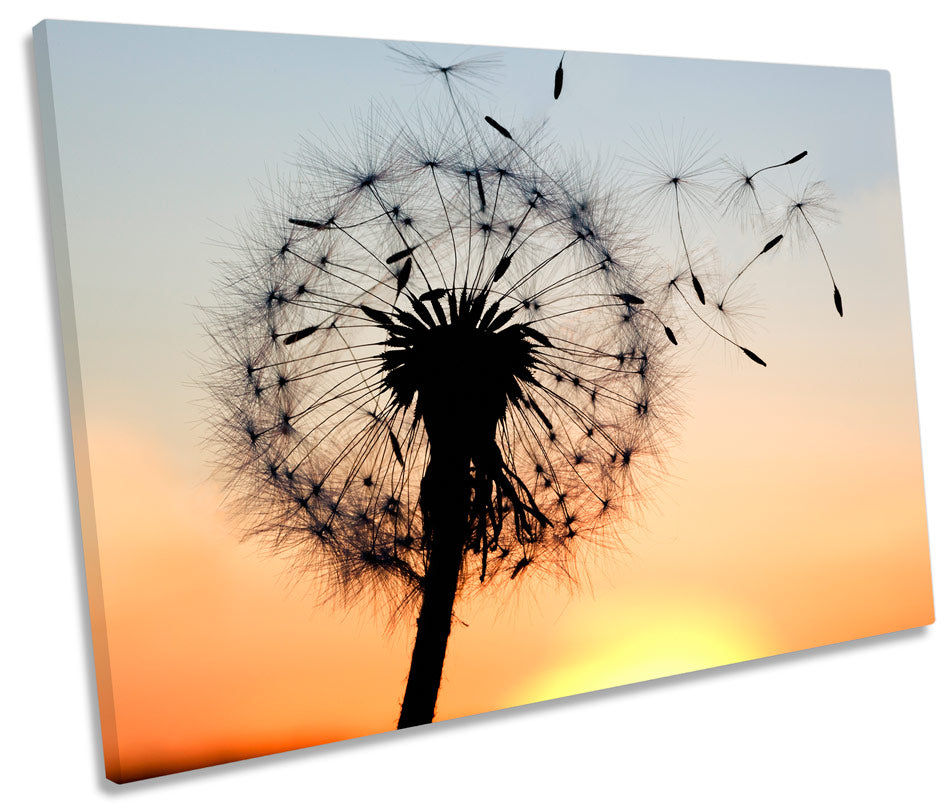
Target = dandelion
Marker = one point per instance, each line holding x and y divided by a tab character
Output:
439	370
442	357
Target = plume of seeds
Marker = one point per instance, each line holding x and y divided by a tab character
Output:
527	276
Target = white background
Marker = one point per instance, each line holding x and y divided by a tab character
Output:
859	725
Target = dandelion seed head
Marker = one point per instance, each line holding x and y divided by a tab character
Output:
417	293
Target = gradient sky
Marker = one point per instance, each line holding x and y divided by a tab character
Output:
791	510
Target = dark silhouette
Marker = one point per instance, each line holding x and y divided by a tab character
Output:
442	362
559	79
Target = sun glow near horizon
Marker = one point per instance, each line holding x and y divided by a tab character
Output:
246	663
668	637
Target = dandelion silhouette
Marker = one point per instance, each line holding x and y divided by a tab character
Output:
442	355
447	375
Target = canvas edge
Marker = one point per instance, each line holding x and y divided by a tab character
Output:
76	404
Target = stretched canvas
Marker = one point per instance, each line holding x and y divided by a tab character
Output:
413	381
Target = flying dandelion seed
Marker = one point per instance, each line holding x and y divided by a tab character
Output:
674	296
741	195
768	247
475	72
675	286
676	179
811	207
674	172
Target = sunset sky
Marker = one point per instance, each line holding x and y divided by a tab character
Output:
790	511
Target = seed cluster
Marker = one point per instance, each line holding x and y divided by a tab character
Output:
463	284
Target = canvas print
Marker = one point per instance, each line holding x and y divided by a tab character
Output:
411	381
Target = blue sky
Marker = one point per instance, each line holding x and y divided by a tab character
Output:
164	130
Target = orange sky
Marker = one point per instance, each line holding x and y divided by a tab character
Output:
790	515
810	534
